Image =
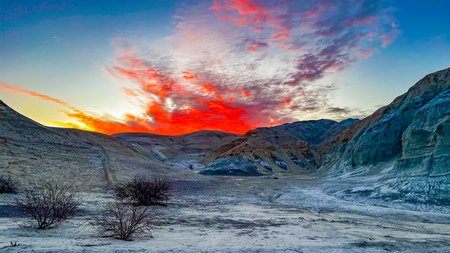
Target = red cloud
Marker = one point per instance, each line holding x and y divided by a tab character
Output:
247	12
182	105
256	46
211	115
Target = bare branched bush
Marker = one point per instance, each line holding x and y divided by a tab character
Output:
7	185
125	221
145	191
49	203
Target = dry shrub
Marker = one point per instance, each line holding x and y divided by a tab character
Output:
7	185
145	191
125	221
49	203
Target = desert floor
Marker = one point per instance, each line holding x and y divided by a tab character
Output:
245	214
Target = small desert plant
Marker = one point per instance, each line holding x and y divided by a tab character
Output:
123	221
145	191
7	185
49	203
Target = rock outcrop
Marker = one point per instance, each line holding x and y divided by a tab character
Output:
285	148
233	166
410	137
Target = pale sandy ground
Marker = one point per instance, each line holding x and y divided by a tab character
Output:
237	214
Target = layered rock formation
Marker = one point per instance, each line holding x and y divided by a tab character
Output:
285	148
182	151
410	138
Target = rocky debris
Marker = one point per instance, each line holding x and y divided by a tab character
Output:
233	166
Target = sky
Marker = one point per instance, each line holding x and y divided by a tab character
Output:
174	67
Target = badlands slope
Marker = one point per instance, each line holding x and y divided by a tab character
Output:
92	161
406	144
182	151
280	149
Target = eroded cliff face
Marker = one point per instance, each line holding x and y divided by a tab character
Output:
378	138
423	170
405	144
426	141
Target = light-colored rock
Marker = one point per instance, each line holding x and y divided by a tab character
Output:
182	151
378	137
412	134
233	166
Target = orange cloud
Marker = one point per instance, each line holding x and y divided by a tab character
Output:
128	92
209	87
205	113
93	123
174	107
177	106
98	124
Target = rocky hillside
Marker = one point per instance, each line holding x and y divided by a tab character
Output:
30	151
407	143
284	148
182	151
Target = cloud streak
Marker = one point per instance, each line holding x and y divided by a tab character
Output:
105	124
16	90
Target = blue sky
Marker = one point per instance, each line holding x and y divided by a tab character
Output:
71	50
